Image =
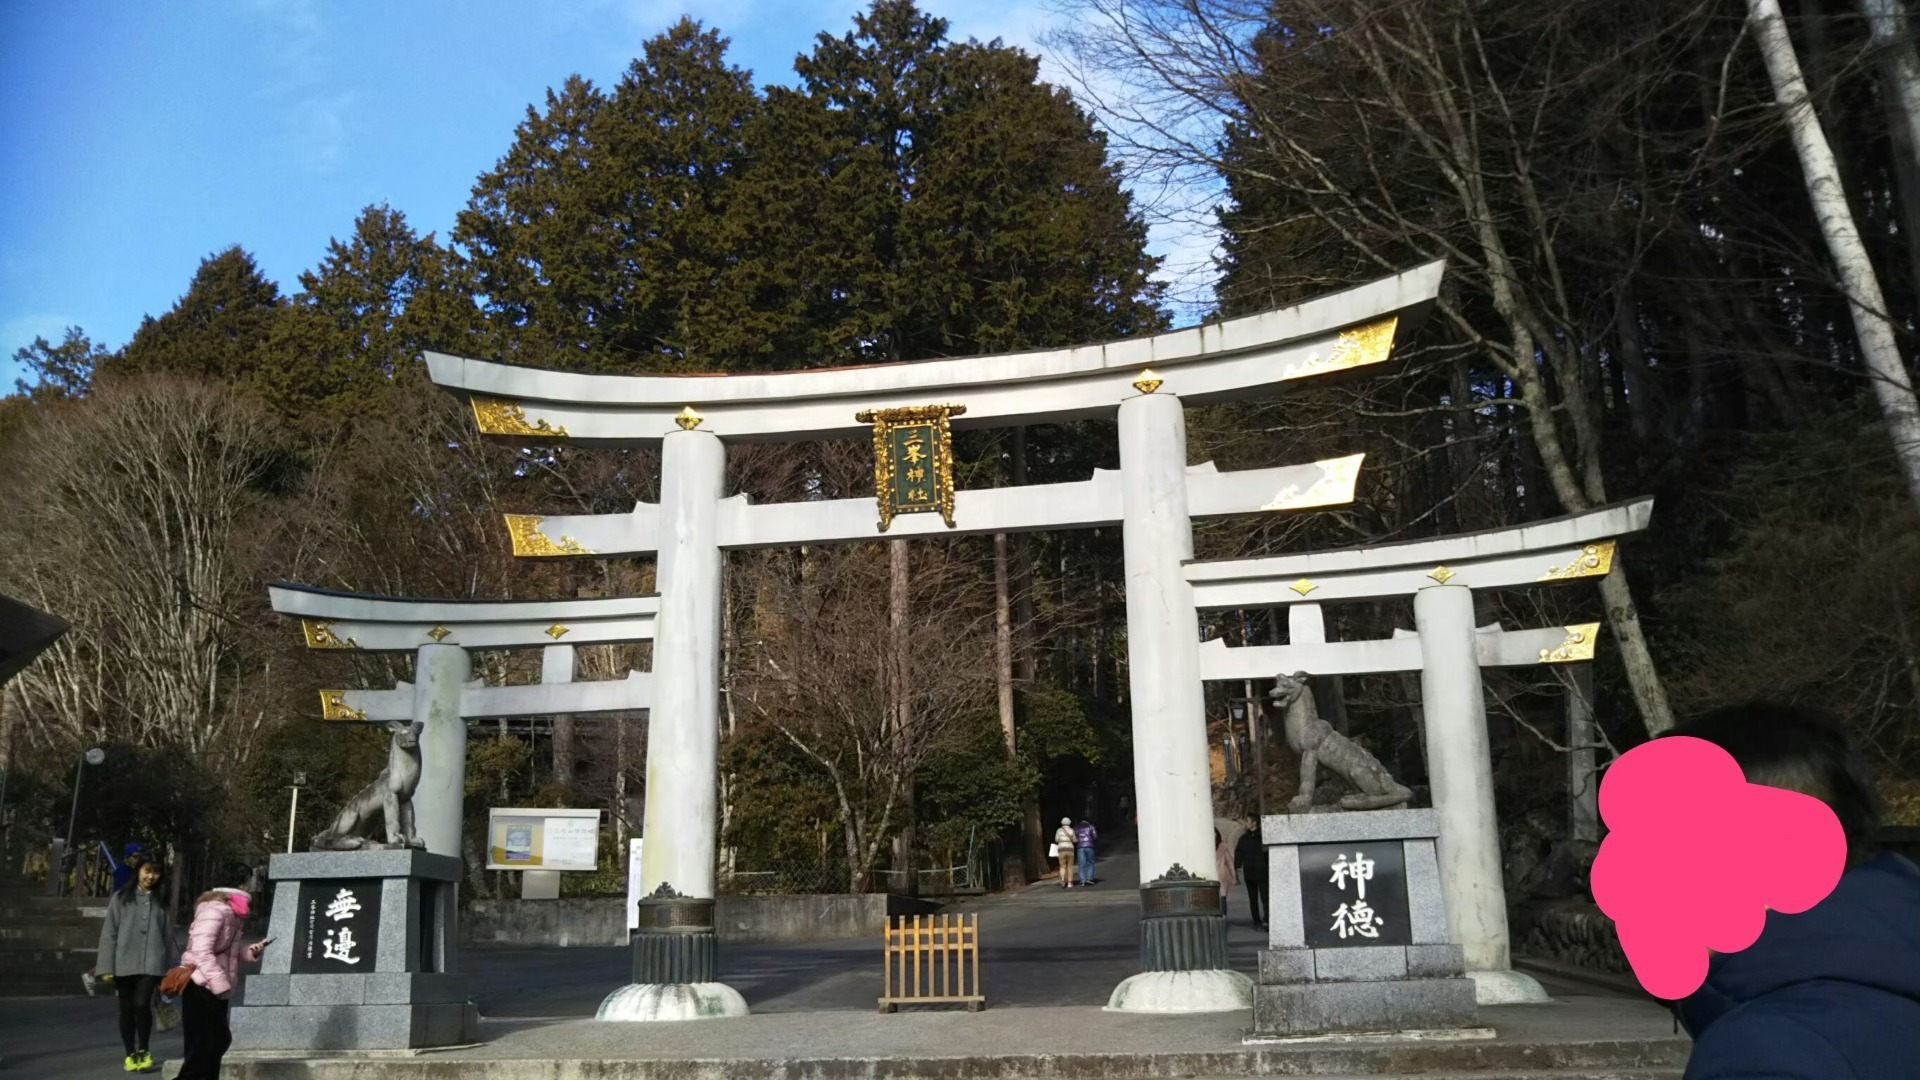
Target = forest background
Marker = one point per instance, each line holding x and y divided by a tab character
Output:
1639	302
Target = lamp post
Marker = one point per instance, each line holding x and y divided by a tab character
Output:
293	808
92	757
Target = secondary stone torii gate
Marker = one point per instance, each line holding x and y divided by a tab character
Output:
1448	651
444	695
1144	381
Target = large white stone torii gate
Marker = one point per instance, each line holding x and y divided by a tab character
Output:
1448	651
1145	381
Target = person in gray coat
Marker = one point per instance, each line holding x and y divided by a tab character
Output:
137	946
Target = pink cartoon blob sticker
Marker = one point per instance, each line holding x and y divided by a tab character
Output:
1695	857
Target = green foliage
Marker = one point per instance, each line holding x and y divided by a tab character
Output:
491	766
1056	728
62	371
971	788
150	794
916	198
219	329
361	320
783	811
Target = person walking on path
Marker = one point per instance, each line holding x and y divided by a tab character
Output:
1084	835
1063	850
1250	858
213	953
123	873
136	948
1223	866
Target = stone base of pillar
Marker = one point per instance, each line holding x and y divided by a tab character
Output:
674	942
1183	943
1183	992
1506	988
665	1002
1181	928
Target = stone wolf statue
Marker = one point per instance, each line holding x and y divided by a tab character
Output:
389	797
1318	744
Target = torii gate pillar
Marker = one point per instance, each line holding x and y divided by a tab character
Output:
1460	769
1182	938
675	954
440	673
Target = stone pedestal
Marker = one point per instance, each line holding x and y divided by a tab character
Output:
363	956
1357	932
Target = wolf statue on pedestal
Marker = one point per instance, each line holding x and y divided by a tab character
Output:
1318	744
390	797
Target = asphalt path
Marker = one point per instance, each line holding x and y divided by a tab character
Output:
1040	946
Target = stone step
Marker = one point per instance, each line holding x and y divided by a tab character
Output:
1626	1059
45	936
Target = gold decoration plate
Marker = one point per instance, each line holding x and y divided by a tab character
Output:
1338	476
320	635
1594	560
530	542
1355	347
333	706
1578	646
497	416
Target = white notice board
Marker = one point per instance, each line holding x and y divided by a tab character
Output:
633	886
542	839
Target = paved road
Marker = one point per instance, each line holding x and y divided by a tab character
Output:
1041	946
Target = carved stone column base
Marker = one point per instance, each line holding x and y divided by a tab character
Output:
1181	928
1183	992
675	956
664	1002
674	942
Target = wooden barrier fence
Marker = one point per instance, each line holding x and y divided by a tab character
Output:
933	959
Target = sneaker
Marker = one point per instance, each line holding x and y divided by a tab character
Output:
132	1063
146	1061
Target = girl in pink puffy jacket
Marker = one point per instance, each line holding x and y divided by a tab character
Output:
214	953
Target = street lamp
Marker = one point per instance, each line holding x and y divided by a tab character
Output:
293	810
92	757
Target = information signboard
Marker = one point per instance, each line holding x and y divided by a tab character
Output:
536	839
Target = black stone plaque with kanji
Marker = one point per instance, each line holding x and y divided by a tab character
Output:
1354	894
339	926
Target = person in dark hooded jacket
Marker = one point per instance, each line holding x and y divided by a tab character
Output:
1832	993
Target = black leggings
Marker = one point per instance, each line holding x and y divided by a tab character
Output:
136	1008
203	1024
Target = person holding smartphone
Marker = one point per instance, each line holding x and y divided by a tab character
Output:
213	955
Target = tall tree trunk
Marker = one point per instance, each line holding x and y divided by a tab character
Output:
1900	90
1899	66
1021	575
1892	386
563	744
899	609
1003	641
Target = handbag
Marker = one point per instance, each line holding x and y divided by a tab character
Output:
166	1013
1053	851
174	983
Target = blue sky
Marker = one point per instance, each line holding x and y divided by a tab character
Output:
141	137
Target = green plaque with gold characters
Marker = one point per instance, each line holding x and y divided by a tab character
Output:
913	460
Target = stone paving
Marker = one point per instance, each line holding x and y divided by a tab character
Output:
1050	959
